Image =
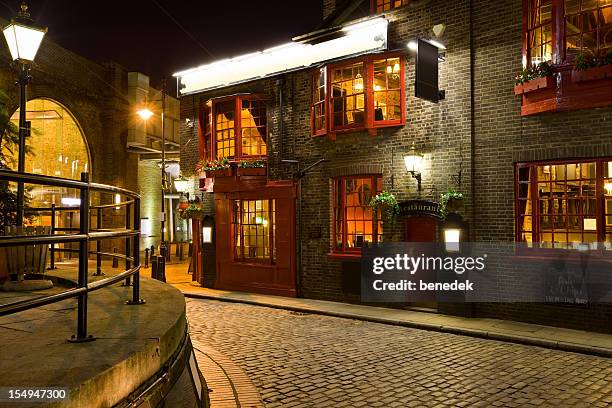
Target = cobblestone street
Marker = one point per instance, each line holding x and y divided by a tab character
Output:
319	361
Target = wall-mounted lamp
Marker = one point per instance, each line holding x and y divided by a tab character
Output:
413	161
181	184
117	201
207	230
452	237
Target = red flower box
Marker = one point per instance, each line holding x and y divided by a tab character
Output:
252	171
592	74
534	85
229	172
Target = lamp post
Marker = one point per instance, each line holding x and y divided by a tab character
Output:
23	39
146	114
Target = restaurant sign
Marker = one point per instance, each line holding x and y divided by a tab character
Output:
420	208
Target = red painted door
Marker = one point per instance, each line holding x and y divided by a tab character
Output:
421	229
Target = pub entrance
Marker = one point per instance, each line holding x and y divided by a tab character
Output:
421	225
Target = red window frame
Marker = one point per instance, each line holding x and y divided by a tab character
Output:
339	204
559	31
379	6
208	134
601	213
369	122
237	230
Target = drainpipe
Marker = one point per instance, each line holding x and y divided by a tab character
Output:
471	309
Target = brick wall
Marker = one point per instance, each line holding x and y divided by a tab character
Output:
444	132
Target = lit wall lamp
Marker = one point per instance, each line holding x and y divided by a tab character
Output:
452	237
207	230
413	161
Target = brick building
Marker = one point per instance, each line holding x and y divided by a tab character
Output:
83	116
283	230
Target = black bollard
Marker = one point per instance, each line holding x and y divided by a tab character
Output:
154	268
146	265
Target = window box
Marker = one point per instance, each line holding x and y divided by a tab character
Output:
252	171
592	74
534	85
229	172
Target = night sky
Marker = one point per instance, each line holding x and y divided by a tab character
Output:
160	37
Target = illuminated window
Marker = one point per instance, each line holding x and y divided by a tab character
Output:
387	90
588	27
319	93
558	204
225	135
253	127
348	95
355	222
365	93
539	31
253	227
384	5
237	126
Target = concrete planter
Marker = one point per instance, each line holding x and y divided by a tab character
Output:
592	74
534	85
27	259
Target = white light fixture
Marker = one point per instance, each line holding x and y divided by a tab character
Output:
71	201
608	187
181	184
207	235
145	114
413	161
358	38
412	45
22	37
117	200
452	238
589	224
145	227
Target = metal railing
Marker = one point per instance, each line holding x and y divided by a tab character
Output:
83	236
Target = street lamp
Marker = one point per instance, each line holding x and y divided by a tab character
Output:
145	114
181	184
23	38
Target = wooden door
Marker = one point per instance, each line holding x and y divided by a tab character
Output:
421	229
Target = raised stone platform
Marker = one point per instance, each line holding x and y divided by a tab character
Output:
133	344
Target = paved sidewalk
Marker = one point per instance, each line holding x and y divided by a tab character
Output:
545	336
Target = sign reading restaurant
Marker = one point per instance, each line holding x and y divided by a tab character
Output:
416	208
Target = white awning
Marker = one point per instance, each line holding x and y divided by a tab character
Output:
364	36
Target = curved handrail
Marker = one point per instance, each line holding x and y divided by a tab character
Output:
85	235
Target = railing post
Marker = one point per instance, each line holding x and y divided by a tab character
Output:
81	335
99	244
136	300
128	264
52	264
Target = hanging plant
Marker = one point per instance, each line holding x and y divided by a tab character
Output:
193	210
387	203
451	201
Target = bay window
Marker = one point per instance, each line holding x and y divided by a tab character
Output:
234	127
253	229
588	27
364	93
559	30
539	31
565	204
354	221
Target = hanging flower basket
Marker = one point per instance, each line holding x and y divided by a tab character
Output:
450	202
387	204
193	210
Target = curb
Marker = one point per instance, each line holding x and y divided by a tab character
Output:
509	338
